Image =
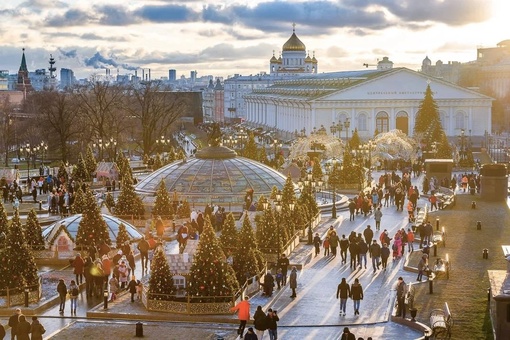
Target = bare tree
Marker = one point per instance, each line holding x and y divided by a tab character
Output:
58	113
155	111
100	106
6	137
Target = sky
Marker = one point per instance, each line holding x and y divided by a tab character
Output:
223	38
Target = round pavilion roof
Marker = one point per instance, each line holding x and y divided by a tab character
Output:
72	223
216	175
294	44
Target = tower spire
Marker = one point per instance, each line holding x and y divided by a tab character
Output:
23	65
293	27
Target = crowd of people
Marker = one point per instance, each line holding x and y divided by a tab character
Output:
22	329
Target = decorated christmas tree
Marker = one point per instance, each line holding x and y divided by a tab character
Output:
125	168
4	222
110	202
251	150
229	239
184	210
181	155
247	257
210	274
128	202
33	232
17	266
161	283
80	172
171	155
355	141
122	236
158	163
79	200
163	205
267	235
262	156
90	161
92	228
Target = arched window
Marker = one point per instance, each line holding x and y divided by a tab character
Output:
361	123
442	118
460	120
402	122
382	121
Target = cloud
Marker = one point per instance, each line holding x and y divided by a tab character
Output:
450	12
336	52
72	17
166	13
99	61
68	54
115	16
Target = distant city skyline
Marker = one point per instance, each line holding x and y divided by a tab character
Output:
223	38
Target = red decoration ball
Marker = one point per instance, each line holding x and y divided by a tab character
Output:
202	287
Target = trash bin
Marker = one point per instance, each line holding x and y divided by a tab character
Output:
139	330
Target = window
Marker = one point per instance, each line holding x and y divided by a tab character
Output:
442	118
179	281
381	121
362	122
460	120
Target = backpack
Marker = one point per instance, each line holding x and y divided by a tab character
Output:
75	291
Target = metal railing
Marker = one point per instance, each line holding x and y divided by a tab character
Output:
16	296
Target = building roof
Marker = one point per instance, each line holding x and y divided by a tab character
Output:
23	65
294	44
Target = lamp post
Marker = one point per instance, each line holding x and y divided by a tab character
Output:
276	145
347	125
30	153
113	145
334	128
240	137
462	151
99	145
312	187
278	208
44	149
332	179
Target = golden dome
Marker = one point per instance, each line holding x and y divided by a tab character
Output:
308	59
273	59
294	44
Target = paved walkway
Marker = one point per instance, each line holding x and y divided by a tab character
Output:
314	312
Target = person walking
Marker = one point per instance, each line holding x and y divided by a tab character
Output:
357	295
362	251
23	328
243	314
333	243
344	246
317	244
114	288
368	233
74	291
283	264
343	291
385	254
36	329
353	252
422	266
259	321
352	210
410	240
293	281
326	246
13	323
143	247
272	326
78	268
268	284
132	287
347	335
377	217
62	293
401	295
375	250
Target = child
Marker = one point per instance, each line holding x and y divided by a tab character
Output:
326	246
279	277
139	288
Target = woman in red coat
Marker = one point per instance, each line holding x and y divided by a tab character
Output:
243	314
78	264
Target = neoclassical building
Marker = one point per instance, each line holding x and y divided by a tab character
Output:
384	99
293	61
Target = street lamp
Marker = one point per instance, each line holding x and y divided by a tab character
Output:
278	208
30	153
332	178
276	144
113	144
347	125
334	128
312	187
99	145
44	148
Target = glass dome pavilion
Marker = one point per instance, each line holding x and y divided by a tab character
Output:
216	176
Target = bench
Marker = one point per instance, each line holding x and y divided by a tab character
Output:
441	322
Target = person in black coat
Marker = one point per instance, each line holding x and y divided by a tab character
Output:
62	293
13	323
259	321
132	287
353	252
385	254
344	246
271	321
23	329
317	244
268	284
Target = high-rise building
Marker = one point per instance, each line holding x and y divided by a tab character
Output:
193	76
4	80
66	78
172	75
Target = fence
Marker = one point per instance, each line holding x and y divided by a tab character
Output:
16	296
